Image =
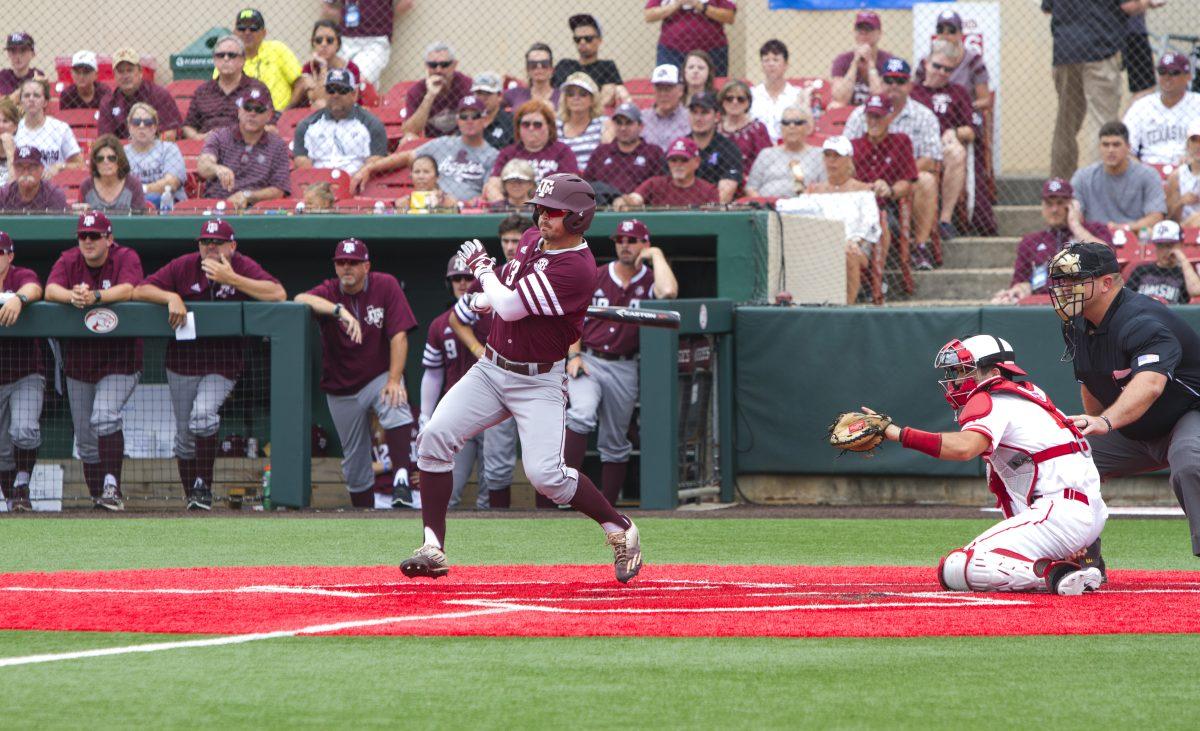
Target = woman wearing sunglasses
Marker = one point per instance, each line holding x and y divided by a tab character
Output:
749	134
581	126
158	163
539	68
537	142
787	169
326	41
112	187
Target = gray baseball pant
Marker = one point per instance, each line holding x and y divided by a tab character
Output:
495	450
607	394
1116	455
20	416
196	402
351	419
96	410
487	395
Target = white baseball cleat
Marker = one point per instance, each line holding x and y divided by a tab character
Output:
627	552
1070	580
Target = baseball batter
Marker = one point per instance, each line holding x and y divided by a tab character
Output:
365	320
603	364
21	383
539	300
101	373
1038	465
202	373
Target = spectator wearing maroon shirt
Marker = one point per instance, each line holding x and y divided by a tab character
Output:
857	73
202	373
1064	224
84	92
433	101
364	320
749	134
619	167
131	89
28	191
539	71
537	142
720	159
246	163
585	32
885	159
603	363
214	103
21	382
101	373
367	27
692	24
20	57
680	188
967	67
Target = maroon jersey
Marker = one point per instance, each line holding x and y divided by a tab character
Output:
890	161
382	311
625	171
613	337
683	30
444	109
951	104
184	277
841	65
751	139
555	157
94	358
115	107
18	356
443	349
556	289
662	191
71	99
1037	249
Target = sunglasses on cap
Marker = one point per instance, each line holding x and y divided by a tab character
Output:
338	89
90	236
585	39
469	116
255	108
532	124
439	64
539	64
227	55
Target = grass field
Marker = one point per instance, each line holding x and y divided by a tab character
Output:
497	682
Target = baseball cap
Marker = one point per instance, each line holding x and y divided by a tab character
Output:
583	81
683	147
1176	62
251	17
897	68
628	110
1057	188
6	243
457	267
632	227
488	81
879	105
949	17
29	156
257	96
94	221
470	101
868	17
216	229
665	74
84	58
517	170
126	55
19	39
703	99
839	144
340	77
1166	232
351	250
582	19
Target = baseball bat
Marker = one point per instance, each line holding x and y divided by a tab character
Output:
630	316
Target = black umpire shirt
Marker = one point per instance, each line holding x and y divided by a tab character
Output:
1140	334
721	160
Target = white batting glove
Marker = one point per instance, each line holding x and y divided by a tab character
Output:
476	257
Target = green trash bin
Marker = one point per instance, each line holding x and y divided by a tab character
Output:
195	61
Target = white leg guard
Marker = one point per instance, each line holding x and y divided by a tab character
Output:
1001	570
952	571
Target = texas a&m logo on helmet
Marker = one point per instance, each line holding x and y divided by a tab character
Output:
545	188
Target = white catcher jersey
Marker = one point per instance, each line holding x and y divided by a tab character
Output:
1158	135
1017	429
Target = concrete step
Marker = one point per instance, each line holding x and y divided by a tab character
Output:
980	253
1019	190
1018	220
948	284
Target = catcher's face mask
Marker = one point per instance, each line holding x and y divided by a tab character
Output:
960	370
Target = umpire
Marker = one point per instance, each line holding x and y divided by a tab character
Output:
1138	364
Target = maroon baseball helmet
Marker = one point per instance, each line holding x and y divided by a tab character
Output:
566	192
457	267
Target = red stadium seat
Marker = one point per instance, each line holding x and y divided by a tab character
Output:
1164	169
190	148
288	120
70	181
639	87
833	121
395	95
62	67
276	204
337	179
201	206
368	95
184	88
389	186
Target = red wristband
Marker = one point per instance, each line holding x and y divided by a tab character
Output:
923	441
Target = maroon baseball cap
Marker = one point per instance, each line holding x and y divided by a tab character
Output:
683	147
949	17
879	105
256	96
472	102
95	222
28	155
1057	188
868	17
351	250
216	229
632	227
1174	62
6	244
20	39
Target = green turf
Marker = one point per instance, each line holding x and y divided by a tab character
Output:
1052	682
58	544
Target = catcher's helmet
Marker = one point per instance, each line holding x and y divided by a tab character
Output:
566	192
963	360
1073	272
457	267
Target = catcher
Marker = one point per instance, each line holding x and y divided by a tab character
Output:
1039	467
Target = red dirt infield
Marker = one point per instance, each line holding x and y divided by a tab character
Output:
559	601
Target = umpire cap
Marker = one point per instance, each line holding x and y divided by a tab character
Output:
567	192
1084	260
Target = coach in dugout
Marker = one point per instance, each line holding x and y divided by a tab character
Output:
22	382
364	319
1138	364
202	373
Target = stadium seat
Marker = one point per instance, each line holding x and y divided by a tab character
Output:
639	87
363	205
62	68
395	95
368	95
389	186
190	148
833	121
1164	169
288	120
184	88
70	181
337	179
200	206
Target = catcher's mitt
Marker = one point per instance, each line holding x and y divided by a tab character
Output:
855	431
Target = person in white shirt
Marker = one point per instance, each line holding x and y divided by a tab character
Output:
1158	123
52	137
775	94
1183	187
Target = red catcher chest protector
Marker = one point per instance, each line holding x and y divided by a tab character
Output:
1011	469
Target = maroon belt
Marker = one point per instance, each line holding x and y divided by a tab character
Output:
608	356
513	366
